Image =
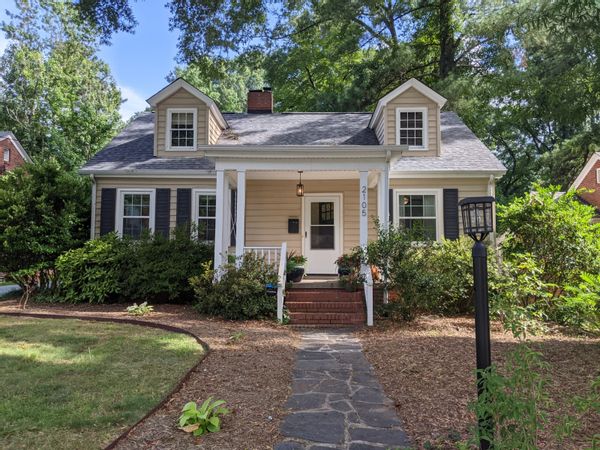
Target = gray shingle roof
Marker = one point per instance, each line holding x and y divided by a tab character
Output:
461	150
298	129
132	149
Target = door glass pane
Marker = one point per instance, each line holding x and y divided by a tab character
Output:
322	237
321	213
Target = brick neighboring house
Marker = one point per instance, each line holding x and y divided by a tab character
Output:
12	153
589	178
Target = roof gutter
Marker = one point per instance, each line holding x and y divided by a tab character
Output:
153	173
446	173
301	151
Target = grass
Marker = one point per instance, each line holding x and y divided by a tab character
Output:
74	384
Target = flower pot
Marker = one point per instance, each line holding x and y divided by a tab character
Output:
344	271
295	275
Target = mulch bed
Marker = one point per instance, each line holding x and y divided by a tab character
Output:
251	373
427	368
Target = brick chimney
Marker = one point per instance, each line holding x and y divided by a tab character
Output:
260	101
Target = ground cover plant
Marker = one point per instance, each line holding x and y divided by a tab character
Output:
203	419
74	384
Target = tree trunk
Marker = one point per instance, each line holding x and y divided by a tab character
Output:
447	40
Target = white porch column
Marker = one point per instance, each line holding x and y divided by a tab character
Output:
383	204
240	214
364	237
364	208
220	221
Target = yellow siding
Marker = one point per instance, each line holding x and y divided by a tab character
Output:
214	130
380	131
149	183
180	99
412	98
467	187
269	204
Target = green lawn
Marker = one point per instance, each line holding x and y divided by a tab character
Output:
74	384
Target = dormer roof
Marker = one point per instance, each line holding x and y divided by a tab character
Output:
180	83
412	83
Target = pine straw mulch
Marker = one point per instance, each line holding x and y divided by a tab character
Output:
427	368
251	373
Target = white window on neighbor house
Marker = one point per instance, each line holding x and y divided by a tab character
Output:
411	128
598	176
135	212
420	213
204	206
6	155
181	129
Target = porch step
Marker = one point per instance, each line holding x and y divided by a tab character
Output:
325	307
326	319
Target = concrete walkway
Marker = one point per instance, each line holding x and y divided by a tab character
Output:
336	401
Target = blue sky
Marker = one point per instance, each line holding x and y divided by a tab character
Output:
139	62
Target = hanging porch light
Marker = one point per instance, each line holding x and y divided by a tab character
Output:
300	186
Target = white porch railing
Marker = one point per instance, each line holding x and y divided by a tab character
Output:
368	286
278	257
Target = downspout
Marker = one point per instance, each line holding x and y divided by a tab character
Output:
93	214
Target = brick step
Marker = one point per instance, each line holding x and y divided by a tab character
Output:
312	318
324	306
327	295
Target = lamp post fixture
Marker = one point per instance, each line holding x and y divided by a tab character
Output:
300	186
478	223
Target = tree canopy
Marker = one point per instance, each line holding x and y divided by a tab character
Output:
524	75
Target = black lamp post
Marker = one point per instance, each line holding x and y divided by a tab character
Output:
478	222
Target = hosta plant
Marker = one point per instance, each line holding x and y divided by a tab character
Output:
140	310
199	421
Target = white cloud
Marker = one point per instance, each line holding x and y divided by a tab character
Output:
133	102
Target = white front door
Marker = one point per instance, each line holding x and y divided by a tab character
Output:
322	229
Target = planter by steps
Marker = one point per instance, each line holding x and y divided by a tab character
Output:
295	275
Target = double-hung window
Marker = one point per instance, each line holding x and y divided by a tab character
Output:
419	212
181	129
7	155
135	212
205	212
411	128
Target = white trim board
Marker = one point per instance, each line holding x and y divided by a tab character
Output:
119	207
586	169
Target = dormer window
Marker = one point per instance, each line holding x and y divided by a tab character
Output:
411	128
181	129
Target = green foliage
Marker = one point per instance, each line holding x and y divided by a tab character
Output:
57	97
515	400
44	211
240	293
556	231
140	310
588	404
349	269
579	307
293	261
199	421
109	268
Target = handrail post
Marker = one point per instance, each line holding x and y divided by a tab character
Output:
281	281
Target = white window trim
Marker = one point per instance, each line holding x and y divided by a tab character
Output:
168	146
195	216
439	217
119	207
598	176
425	145
6	155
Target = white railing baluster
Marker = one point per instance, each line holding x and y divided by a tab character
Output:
368	286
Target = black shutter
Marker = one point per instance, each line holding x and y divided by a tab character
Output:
184	207
451	213
108	200
391	205
162	212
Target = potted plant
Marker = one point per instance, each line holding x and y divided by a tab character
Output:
295	267
349	263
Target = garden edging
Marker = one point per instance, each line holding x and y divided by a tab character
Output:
144	323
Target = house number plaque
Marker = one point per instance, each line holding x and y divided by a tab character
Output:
363	200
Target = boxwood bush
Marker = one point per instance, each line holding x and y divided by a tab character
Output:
154	269
241	293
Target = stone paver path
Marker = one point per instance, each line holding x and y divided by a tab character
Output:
336	401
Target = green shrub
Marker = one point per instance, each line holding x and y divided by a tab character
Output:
153	269
162	266
241	292
140	310
93	273
579	307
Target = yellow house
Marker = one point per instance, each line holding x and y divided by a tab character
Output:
237	176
